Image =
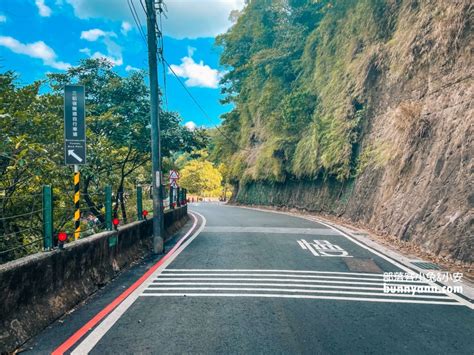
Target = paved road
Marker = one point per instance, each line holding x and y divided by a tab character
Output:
259	282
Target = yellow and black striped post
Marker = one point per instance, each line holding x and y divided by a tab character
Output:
77	206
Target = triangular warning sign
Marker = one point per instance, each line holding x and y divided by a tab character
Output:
174	175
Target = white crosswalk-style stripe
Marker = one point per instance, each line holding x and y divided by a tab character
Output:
327	285
338	277
272	230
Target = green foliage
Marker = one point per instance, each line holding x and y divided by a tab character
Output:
201	178
374	155
118	146
30	153
299	72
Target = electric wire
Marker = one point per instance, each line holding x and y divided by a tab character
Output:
143	7
165	62
200	107
136	19
160	46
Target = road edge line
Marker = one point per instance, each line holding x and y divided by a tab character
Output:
74	338
98	333
363	245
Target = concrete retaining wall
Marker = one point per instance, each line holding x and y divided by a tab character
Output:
39	288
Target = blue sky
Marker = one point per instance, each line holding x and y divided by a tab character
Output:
41	36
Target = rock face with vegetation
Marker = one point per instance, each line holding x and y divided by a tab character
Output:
362	109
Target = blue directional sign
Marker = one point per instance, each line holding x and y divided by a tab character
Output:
74	125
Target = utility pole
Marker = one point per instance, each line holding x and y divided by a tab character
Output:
158	220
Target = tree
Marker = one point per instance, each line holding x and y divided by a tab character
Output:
293	112
118	146
30	155
226	185
201	178
117	118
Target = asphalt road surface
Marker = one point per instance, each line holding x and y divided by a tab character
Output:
247	281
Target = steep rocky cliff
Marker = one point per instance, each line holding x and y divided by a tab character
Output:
386	138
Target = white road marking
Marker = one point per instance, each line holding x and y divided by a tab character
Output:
273	270
324	248
373	251
264	295
401	266
94	337
302	245
272	230
168	275
343	287
292	290
277	280
309	247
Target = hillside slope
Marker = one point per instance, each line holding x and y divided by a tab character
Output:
363	109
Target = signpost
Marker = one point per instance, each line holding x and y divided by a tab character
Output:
173	177
74	125
75	142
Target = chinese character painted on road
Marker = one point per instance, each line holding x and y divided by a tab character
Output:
323	248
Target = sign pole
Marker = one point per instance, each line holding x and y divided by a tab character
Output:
75	142
77	205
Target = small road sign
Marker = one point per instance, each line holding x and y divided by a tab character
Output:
174	175
74	125
75	152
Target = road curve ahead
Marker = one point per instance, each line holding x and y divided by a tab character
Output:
260	282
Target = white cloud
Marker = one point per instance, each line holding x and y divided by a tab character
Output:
3	18
114	61
190	125
199	18
130	68
111	9
35	50
114	51
95	34
197	74
43	9
126	26
86	51
186	18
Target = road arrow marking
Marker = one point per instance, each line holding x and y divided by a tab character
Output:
70	152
